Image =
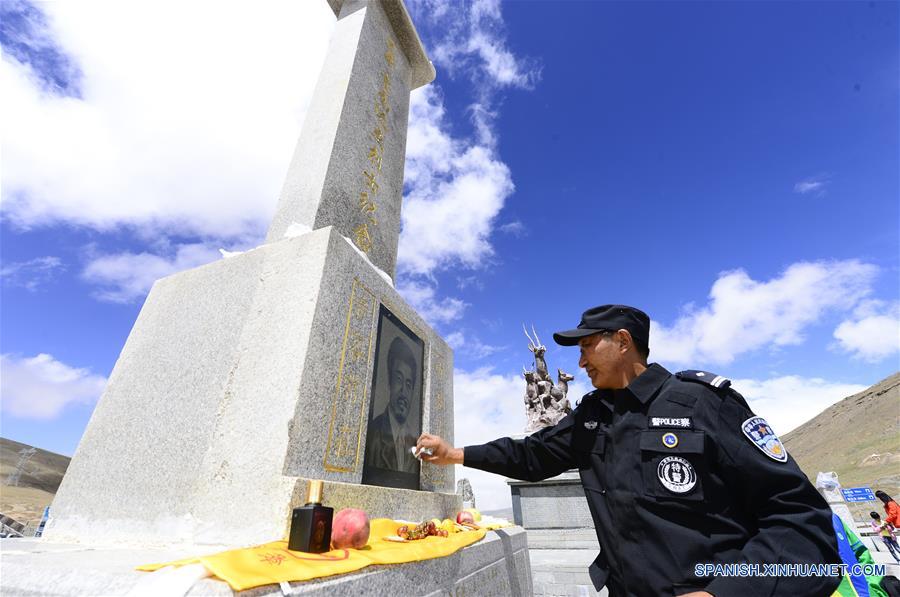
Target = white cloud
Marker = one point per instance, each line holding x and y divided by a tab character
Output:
455	191
41	387
193	137
423	299
487	406
873	333
471	346
515	228
789	401
457	185
744	315
499	63
33	273
473	281
473	41
172	132
125	277
815	185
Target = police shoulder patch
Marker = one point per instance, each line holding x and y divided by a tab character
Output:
761	435
704	377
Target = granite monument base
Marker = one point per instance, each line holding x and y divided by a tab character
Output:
239	380
384	502
561	538
495	566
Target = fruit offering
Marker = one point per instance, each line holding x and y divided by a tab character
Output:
449	526
350	528
421	530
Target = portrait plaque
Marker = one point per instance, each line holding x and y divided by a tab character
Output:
395	411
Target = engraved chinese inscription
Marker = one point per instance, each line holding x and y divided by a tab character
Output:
368	206
348	409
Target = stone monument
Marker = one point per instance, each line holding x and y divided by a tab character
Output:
245	378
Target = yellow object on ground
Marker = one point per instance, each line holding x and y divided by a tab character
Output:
273	563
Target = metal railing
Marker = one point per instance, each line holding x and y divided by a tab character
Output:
10	527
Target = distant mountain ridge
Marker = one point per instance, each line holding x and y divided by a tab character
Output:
858	438
37	485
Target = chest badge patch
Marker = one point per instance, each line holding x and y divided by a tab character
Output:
676	474
680	422
761	435
670	440
590	425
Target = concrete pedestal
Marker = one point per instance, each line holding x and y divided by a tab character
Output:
495	566
240	380
561	538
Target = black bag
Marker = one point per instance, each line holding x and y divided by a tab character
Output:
891	586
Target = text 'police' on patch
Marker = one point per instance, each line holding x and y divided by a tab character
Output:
679	422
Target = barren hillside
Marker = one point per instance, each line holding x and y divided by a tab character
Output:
858	438
37	485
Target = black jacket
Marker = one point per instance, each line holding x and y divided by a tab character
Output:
672	480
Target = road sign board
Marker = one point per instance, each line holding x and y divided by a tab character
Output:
858	494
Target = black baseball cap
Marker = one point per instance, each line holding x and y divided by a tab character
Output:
608	318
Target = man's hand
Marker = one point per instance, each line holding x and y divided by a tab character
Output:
698	594
441	451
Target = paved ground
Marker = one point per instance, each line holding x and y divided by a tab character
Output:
563	572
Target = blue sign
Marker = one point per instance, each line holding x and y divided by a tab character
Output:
858	494
40	529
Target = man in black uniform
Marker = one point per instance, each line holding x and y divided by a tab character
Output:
678	472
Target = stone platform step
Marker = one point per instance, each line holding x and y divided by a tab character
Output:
10	527
563	572
495	566
563	539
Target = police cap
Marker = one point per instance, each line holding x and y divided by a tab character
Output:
608	318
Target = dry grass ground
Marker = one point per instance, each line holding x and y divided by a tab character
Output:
37	485
25	504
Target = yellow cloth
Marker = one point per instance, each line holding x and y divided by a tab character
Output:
273	563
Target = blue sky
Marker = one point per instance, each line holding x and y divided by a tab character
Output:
729	167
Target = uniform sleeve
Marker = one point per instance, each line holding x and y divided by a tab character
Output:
793	521
542	455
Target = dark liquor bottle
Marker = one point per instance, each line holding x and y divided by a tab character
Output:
311	524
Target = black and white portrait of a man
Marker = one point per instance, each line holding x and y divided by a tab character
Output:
395	419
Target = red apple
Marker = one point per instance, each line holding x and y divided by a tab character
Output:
464	517
350	528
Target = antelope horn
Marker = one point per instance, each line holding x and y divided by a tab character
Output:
530	341
536	336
